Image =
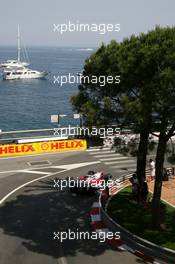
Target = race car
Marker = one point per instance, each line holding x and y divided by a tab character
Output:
91	182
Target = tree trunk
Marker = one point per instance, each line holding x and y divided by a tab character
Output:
141	155
156	208
145	128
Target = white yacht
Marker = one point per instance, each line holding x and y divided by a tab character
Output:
16	63
22	73
15	69
13	64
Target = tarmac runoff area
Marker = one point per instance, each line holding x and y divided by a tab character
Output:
31	210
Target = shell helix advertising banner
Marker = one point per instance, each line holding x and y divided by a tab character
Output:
42	147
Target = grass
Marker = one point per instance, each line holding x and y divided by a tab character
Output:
137	219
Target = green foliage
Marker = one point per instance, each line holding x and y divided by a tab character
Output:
146	64
136	219
144	99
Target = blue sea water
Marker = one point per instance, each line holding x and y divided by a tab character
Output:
28	104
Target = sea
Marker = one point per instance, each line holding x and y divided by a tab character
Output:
29	104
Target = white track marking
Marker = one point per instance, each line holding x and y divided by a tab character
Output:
120	162
30	170
36	172
25	184
73	166
107	155
102	152
11	171
27	170
115	158
121	166
41	154
97	149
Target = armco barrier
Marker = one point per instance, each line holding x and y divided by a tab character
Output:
137	245
119	183
42	147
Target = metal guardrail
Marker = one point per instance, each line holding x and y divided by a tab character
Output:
13	136
134	241
25	131
32	135
124	178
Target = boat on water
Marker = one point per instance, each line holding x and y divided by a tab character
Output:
23	73
16	69
13	64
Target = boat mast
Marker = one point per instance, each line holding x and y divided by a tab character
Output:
19	48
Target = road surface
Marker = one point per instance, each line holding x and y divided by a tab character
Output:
31	210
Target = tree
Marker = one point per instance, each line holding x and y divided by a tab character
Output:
151	59
145	97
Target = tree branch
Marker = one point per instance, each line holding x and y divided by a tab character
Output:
117	100
136	95
152	133
171	131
